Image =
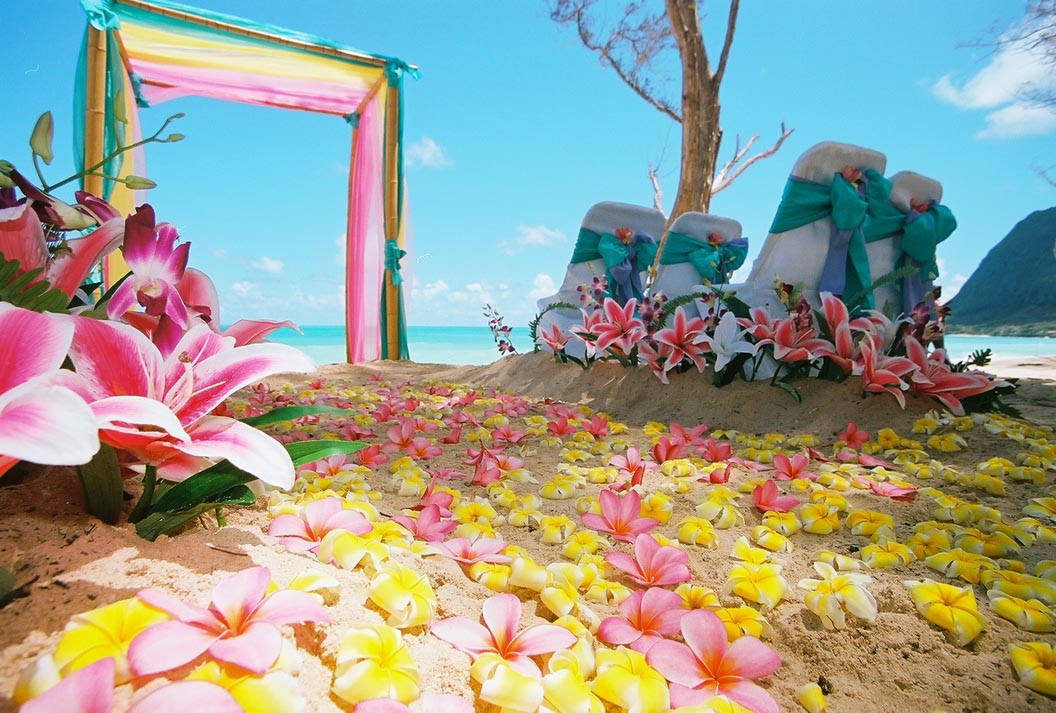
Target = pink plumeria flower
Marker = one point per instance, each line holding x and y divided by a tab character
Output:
41	420
667	448
158	408
853	436
157	265
714	451
499	635
708	665
371	456
769	499
620	516
903	493
648	616
468	552
786	468
240	627
653	565
304	533
429	525
631	465
421	448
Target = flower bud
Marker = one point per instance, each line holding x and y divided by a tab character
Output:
812	698
173	138
40	140
139	183
118	107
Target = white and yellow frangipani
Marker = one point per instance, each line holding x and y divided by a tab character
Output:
504	686
1035	664
275	690
404	594
697	596
373	662
1028	614
887	554
867	522
957	563
836	593
818	518
948	607
787	523
1024	586
744	621
839	562
770	539
581	542
812	698
555	529
758	583
627	682
720	507
694	530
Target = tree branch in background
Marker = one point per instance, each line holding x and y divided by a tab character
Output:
1047	174
724	178
658	193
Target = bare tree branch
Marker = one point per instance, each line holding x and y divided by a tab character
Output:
722	181
1047	174
731	25
658	193
629	49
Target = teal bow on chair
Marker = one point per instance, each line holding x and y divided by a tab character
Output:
714	263
393	254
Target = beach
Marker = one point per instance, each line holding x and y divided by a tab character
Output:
66	563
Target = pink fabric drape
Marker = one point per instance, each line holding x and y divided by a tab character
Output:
364	264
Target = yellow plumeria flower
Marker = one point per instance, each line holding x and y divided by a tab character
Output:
1046	569
770	539
1045	534
866	522
696	531
949	607
350	551
995	466
887	438
565	691
994	544
526	573
827	497
679	468
657	506
574	455
322	587
275	690
744	621
887	554
372	662
743	551
602	475
654	428
405	595
583	542
1035	664
819	518
524	516
958	563
947	443
697	596
604	591
104	633
843	563
927	424
477	510
720	507
837	592
629	683
506	687
812	698
1027	474
1028	614
559	488
759	583
474	530
1019	585
555	529
787	523
492	575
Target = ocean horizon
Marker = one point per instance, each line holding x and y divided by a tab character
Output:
476	346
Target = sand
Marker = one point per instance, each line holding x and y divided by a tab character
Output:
65	562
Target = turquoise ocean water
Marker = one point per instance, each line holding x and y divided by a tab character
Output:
475	345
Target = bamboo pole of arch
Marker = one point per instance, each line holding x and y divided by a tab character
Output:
392	218
95	108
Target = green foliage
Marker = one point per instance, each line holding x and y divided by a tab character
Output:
290	413
101	481
533	326
792	390
22	291
980	357
7	585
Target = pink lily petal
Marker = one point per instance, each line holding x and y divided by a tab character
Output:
32	344
87	690
115	411
115	359
253	451
22	237
30	417
250	331
183	696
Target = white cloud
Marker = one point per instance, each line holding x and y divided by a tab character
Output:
999	87
539	235
951	286
542	286
218	252
244	288
433	289
267	264
427	153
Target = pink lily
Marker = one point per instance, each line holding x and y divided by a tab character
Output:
468	552
620	516
786	468
499	635
648	616
683	337
621	330
429	525
657	358
653	565
304	533
555	338
158	408
22	238
760	326
843	350
240	627
792	344
934	377
41	420
853	436
632	465
883	373
708	665
768	498
589	331
157	265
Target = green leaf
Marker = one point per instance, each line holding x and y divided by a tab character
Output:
731	370
790	389
22	291
289	413
102	484
304	452
7	583
163	523
204	487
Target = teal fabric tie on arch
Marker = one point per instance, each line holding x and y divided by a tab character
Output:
100	14
714	263
846	270
393	254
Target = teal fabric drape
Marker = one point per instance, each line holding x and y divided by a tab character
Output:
393	255
714	263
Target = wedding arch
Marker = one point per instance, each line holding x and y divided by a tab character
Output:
138	54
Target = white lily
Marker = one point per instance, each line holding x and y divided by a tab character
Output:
727	341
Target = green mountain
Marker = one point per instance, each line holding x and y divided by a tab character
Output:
1013	291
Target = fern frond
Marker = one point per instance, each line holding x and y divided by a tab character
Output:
27	291
533	326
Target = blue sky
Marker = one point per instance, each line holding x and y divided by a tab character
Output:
514	130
